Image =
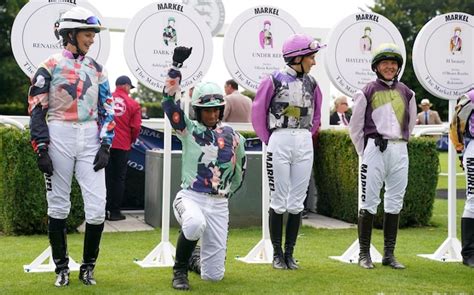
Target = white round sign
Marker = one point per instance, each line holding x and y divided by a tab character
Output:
443	55
212	11
152	35
34	34
350	46
253	42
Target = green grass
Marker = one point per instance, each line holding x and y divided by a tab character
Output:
443	180
117	274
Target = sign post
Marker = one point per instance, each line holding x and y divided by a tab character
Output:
443	63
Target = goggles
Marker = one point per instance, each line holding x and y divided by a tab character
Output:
91	20
210	98
313	47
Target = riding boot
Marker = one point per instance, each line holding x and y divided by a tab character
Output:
58	241
195	260
276	232
467	237
184	250
390	229
91	252
292	228
364	227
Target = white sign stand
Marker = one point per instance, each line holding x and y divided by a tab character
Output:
450	249
351	255
263	251
445	70
163	254
38	264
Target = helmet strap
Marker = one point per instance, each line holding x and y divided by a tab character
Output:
292	63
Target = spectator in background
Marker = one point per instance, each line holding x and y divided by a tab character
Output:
427	116
144	112
238	107
340	116
128	123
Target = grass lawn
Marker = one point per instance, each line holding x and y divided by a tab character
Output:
117	274
443	180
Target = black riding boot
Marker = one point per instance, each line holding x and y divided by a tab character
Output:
58	241
390	229
365	234
195	260
184	250
91	252
467	237
276	232
292	228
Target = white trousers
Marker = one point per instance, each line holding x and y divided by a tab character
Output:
389	167
72	148
205	217
289	163
469	169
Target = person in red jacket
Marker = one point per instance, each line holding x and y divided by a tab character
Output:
128	122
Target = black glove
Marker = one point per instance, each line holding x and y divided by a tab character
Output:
461	157
45	164
102	157
381	143
180	54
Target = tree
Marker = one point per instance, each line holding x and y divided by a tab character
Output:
13	82
145	94
409	16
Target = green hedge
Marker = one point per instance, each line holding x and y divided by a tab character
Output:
14	108
336	174
23	207
154	109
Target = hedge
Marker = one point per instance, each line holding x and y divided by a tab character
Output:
23	207
153	109
336	173
14	108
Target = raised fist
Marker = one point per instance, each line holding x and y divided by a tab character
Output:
180	54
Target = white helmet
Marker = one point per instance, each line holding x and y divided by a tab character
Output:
79	18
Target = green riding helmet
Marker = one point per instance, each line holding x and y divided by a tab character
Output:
387	51
206	95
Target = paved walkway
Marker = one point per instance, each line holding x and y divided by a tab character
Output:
321	221
136	222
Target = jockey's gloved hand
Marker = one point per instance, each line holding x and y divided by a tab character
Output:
381	143
102	158
45	164
181	54
461	158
